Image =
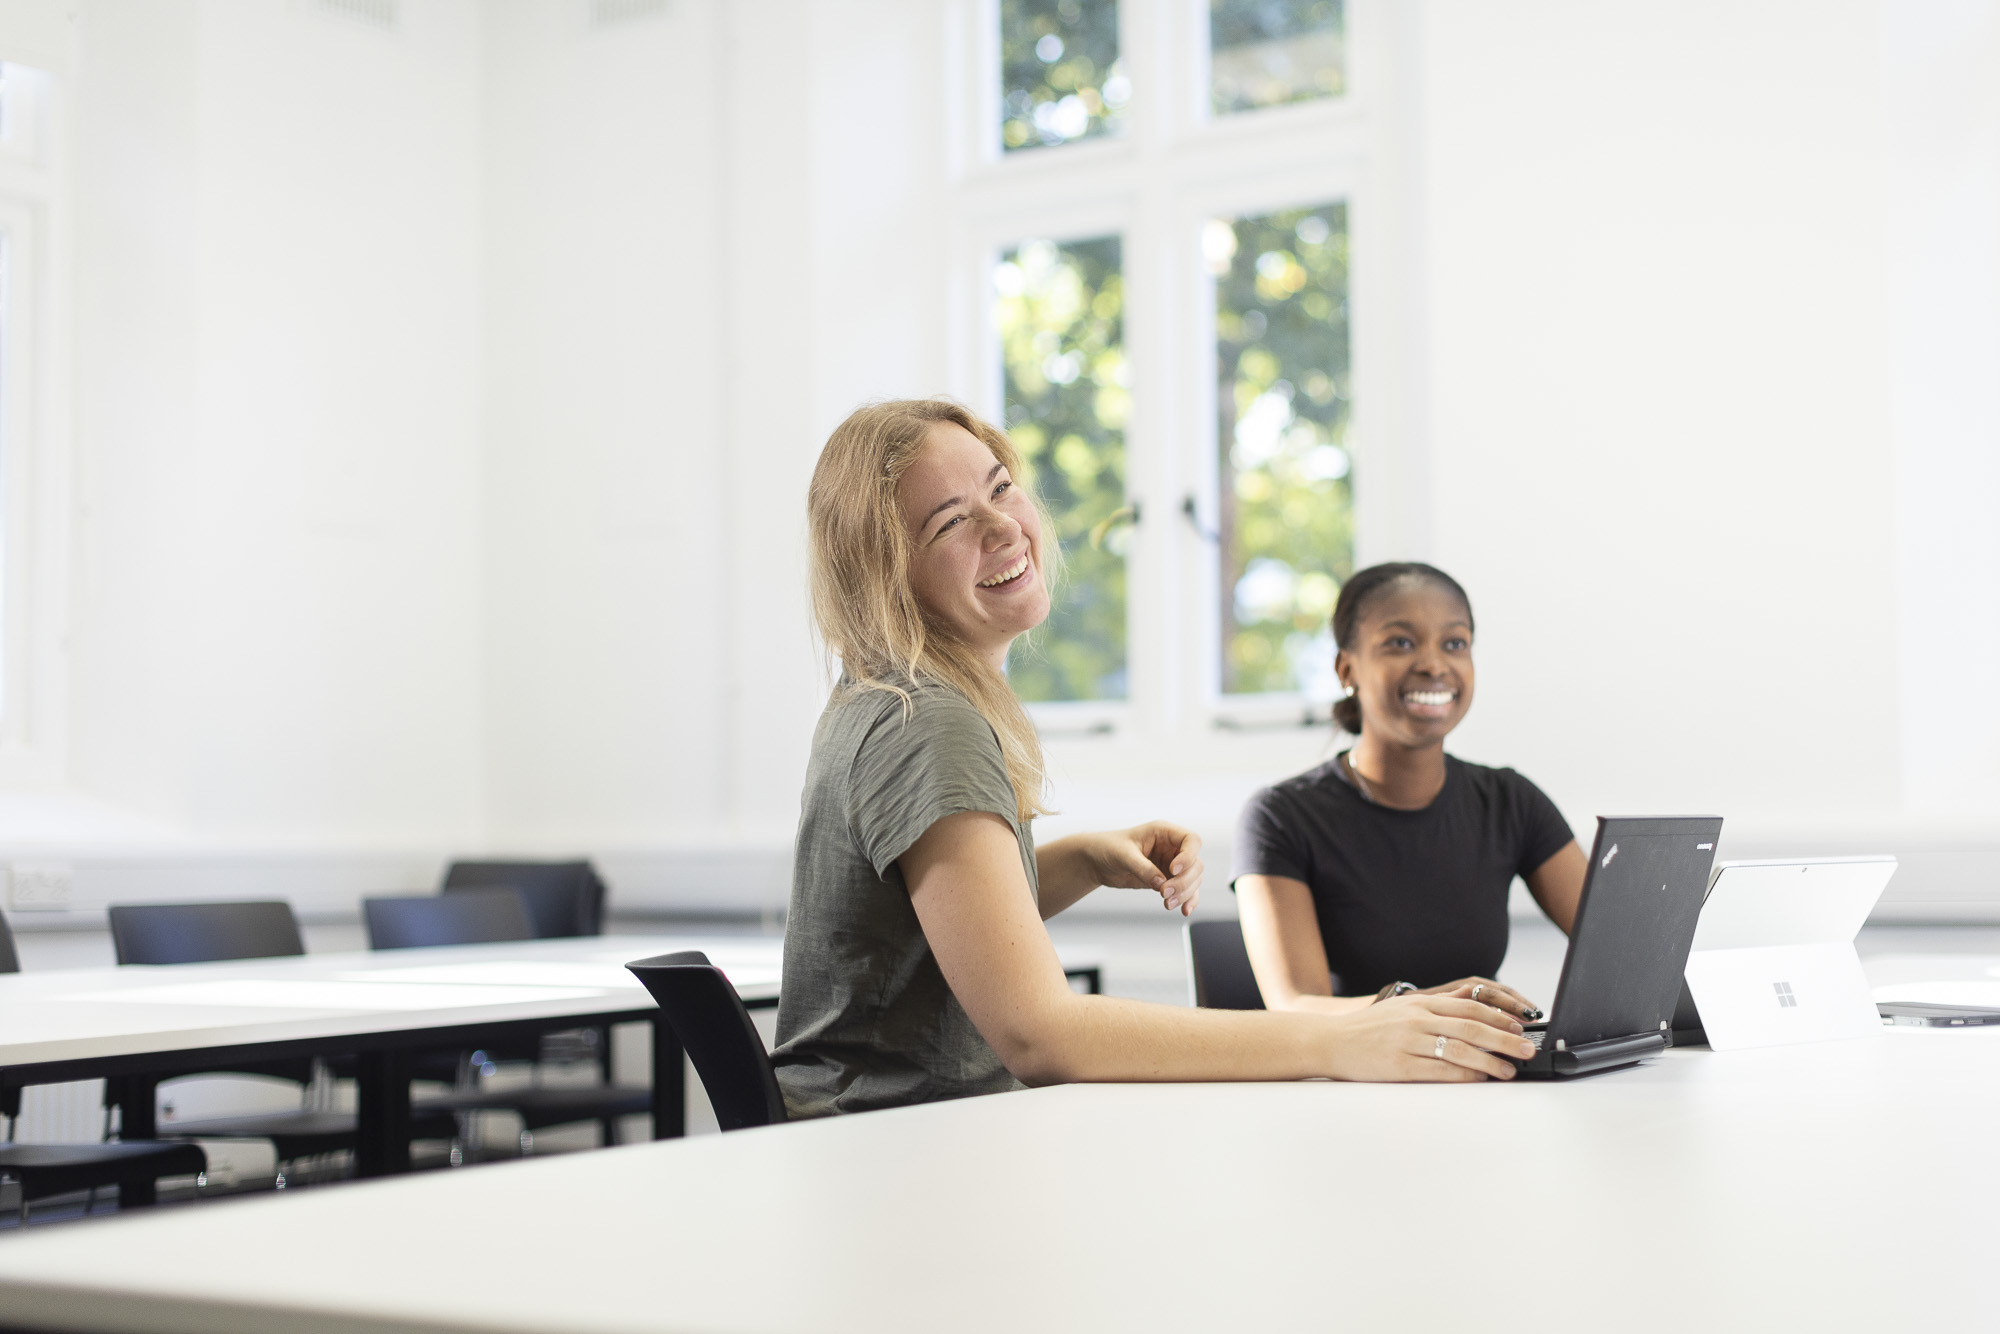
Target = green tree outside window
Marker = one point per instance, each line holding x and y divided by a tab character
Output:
1060	310
1286	530
1060	76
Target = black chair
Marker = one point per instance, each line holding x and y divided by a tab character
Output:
708	1017
563	898
44	1170
134	1166
471	917
167	933
1219	967
181	933
482	916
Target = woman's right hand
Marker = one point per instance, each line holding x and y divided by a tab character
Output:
1396	1041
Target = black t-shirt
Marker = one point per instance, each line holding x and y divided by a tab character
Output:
1412	896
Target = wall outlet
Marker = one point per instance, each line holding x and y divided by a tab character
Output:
39	886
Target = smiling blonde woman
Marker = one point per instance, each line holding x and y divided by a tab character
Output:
916	964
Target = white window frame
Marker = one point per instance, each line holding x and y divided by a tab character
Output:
1172	168
34	431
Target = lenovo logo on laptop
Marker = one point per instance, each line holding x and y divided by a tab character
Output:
1608	856
1786	1000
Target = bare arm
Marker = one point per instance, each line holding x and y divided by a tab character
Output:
1281	933
1557	885
1156	855
971	897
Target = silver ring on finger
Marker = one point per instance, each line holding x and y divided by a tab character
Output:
1476	990
1438	1051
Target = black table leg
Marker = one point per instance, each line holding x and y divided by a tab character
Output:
382	1145
135	1096
669	1082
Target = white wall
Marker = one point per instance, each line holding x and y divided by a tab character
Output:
1941	100
445	400
606	286
1658	411
276	601
1686	390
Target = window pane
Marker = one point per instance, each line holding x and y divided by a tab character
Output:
1287	500
1062	338
1060	77
1263	53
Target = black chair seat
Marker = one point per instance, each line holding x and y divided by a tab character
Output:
302	1134
540	1108
58	1169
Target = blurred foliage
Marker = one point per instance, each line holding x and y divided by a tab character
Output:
1062	337
1060	76
1287	512
1265	53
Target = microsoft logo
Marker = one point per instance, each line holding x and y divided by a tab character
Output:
1786	1000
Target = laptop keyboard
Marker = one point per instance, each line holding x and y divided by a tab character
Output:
1535	1035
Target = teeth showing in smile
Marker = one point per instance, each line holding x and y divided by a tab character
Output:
1008	575
1431	699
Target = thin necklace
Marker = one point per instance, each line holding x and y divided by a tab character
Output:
1360	783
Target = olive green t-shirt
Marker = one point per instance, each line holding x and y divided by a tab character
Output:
865	1017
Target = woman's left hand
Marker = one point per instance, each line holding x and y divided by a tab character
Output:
1155	855
1488	992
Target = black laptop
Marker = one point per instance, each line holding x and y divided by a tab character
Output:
1629	946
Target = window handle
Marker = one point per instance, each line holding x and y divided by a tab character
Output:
1193	512
1102	530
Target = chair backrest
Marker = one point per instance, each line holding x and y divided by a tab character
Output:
468	917
171	933
708	1017
563	898
203	932
1219	967
10	961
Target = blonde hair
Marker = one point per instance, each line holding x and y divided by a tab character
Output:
863	606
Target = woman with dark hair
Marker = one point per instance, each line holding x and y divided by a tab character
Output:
1386	870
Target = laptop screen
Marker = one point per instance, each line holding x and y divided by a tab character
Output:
1641	900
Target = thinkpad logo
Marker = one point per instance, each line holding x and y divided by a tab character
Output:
1608	856
1786	1000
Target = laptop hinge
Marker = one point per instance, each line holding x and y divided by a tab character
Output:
1611	1051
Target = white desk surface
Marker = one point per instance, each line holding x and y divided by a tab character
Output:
87	1013
1837	1186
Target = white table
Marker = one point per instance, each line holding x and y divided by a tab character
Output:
152	1022
1830	1187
